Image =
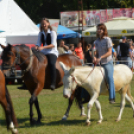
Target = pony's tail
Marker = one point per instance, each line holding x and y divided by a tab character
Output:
13	117
129	93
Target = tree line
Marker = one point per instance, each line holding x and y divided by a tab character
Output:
36	9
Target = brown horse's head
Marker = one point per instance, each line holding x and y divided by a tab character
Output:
8	57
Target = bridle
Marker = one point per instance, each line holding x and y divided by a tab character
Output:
85	78
17	61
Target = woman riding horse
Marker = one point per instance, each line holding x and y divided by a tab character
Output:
103	46
48	38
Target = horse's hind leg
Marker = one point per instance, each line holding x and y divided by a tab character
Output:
9	121
131	102
122	105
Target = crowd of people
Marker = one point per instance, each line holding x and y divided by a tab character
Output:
123	54
85	55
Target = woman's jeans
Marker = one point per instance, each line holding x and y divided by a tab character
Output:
127	61
51	62
109	70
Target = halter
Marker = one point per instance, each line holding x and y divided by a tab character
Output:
17	61
85	78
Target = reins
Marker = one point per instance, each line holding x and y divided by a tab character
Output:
17	58
90	74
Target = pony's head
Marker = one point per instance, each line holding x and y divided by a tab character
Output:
69	81
8	57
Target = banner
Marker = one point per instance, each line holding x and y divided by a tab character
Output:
89	18
69	19
132	12
129	12
116	13
97	15
93	17
109	14
103	16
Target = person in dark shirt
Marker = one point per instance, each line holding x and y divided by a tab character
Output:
88	54
123	51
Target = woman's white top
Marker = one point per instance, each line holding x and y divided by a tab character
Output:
53	42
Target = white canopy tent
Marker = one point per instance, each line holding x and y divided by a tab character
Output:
117	27
18	27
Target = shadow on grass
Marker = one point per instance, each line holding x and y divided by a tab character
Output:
118	105
25	123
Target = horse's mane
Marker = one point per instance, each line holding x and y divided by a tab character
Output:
37	53
40	56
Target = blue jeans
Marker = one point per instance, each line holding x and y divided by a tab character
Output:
109	70
127	61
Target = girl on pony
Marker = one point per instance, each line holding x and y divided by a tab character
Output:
48	38
103	46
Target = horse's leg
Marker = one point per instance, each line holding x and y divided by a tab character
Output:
79	95
38	110
90	105
31	101
122	105
9	121
98	108
131	102
71	99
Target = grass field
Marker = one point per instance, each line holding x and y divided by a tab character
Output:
53	107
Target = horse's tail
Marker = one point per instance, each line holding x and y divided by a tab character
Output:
129	93
13	117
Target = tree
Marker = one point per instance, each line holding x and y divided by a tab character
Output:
52	8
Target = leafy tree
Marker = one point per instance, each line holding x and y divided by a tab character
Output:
36	9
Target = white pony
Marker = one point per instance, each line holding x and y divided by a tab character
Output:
95	84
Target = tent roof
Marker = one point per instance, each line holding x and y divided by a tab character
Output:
64	32
14	20
118	27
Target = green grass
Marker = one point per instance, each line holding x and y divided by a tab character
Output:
53	107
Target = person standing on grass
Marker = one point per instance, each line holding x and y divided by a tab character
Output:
103	46
48	38
79	52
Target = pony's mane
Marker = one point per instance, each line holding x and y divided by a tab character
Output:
37	53
40	56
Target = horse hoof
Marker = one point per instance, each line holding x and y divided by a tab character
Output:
42	118
98	122
15	131
88	123
33	121
64	118
83	115
117	120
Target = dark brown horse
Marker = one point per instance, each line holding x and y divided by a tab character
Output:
6	103
37	75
